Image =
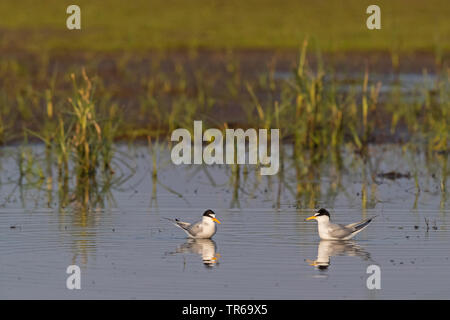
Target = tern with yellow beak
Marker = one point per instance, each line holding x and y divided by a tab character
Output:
333	231
203	229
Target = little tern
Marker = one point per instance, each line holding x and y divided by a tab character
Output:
333	231
203	229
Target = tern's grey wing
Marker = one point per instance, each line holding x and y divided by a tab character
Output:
339	231
360	224
195	229
181	224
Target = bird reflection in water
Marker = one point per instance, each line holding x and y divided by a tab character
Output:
330	248
206	248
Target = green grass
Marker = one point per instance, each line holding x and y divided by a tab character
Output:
147	24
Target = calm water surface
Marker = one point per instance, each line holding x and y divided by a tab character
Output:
263	249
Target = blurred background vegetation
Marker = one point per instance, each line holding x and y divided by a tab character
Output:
142	24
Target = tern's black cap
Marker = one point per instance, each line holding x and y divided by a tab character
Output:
323	212
208	213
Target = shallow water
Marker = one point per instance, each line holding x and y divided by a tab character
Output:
409	85
263	248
